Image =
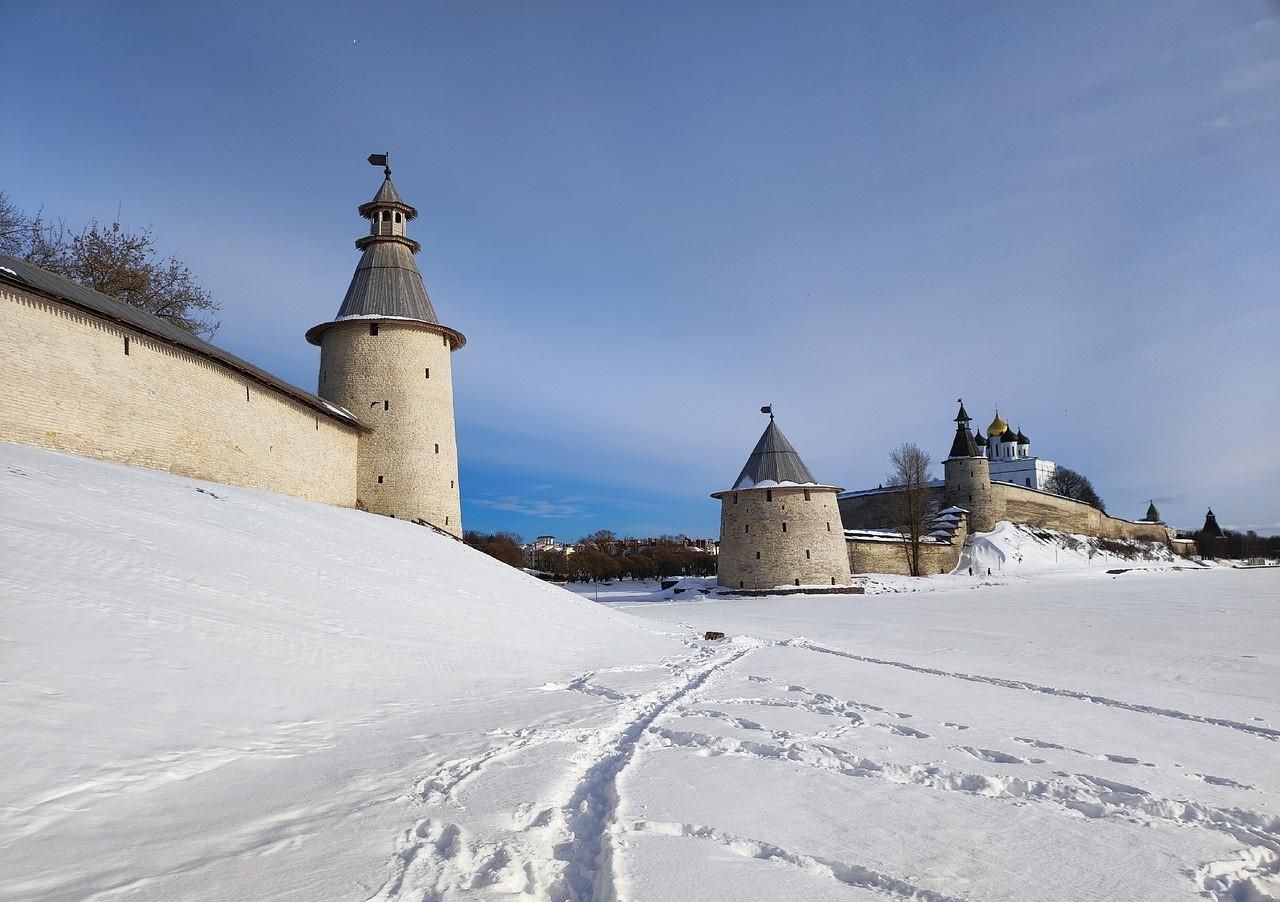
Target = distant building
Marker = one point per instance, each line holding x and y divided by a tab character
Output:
1010	456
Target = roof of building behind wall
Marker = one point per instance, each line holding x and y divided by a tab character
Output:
42	282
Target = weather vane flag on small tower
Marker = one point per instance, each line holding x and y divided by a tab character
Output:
383	160
768	408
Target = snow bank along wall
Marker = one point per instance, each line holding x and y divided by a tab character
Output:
73	379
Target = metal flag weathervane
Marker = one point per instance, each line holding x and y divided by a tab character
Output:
768	408
381	159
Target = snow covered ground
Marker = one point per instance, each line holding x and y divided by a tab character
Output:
214	693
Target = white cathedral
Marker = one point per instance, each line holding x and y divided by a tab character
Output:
1010	455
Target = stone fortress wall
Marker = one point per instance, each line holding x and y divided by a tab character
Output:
397	378
73	381
1036	508
1015	503
889	555
781	536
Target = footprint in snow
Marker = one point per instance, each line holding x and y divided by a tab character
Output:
992	755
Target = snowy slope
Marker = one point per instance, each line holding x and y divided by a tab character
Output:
211	693
198	677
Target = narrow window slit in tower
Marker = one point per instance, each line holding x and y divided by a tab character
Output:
768	494
797	580
428	372
437	447
373	328
126	345
806	494
757	555
450	483
828	526
246	393
784	525
748	529
379	480
386	405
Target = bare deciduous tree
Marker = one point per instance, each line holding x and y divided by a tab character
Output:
1070	484
13	227
120	262
910	474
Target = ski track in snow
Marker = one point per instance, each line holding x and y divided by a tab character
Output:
1264	732
565	852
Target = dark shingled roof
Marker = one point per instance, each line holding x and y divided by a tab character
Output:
963	444
979	439
963	415
773	460
1022	439
387	283
47	284
1153	515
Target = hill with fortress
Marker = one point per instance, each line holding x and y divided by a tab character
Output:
378	434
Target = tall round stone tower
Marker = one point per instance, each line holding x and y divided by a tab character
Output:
778	525
386	358
967	475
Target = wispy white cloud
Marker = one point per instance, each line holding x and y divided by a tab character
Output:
532	507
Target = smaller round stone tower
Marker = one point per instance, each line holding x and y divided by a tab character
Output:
386	358
778	526
967	475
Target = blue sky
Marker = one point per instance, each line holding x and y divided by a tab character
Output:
650	219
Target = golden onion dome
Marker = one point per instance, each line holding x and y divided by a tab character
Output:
998	426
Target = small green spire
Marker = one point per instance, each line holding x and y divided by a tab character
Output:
1153	515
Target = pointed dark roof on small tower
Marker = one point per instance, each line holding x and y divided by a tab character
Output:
773	460
963	444
1153	515
1211	526
979	439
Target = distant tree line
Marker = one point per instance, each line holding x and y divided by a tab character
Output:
505	546
1236	545
601	556
113	259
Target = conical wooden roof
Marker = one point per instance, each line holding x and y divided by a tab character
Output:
774	461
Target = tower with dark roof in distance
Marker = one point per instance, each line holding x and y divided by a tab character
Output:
778	525
967	476
386	358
